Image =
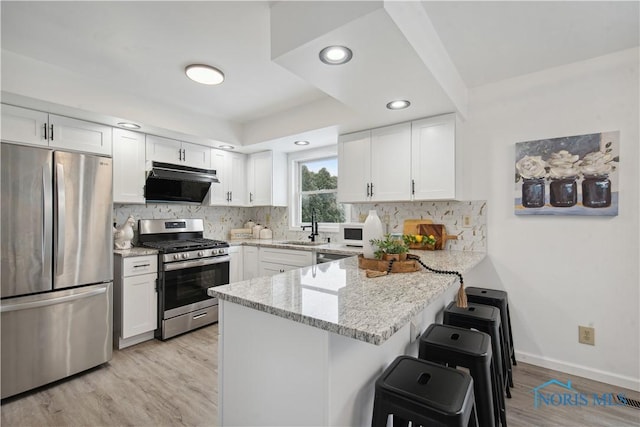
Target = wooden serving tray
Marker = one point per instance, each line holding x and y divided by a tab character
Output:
408	266
438	231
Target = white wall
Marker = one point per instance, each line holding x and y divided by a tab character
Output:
562	271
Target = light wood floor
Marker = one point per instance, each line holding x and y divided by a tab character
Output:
174	383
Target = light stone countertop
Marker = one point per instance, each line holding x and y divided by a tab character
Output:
339	298
135	251
336	248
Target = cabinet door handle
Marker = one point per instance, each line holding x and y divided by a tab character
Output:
51	132
413	186
367	189
184	155
45	131
230	196
250	197
179	154
372	189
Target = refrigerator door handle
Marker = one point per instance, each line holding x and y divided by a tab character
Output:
6	307
61	204
47	218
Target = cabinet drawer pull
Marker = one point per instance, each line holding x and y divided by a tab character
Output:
142	265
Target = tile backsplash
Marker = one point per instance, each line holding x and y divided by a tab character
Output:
219	220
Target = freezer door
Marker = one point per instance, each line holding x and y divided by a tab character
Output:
83	239
47	337
26	220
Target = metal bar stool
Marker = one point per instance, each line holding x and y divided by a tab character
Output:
498	299
424	392
455	346
484	318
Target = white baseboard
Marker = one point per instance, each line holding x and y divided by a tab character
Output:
580	371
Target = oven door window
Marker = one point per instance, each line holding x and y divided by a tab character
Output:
189	285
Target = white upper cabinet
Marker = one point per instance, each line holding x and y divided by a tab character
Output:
267	179
26	126
403	162
354	167
373	165
230	169
390	160
78	135
433	156
167	150
128	166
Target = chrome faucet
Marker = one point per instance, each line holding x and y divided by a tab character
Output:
313	226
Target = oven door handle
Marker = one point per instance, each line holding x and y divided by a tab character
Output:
196	263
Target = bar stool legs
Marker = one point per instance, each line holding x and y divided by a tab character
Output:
424	392
498	299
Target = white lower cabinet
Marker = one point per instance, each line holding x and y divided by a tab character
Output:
135	299
250	267
236	264
274	261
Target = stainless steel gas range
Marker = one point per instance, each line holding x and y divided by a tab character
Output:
188	265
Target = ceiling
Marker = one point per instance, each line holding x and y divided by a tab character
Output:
121	60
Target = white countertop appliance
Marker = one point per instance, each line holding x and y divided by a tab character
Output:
188	265
351	233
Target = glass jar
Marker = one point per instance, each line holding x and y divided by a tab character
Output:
563	192
533	192
596	191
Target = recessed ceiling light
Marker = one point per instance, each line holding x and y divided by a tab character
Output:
205	74
335	55
226	146
128	125
301	142
398	105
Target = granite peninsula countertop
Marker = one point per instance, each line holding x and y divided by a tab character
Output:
339	298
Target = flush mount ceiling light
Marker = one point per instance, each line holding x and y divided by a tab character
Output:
205	74
335	55
226	146
301	142
398	105
128	125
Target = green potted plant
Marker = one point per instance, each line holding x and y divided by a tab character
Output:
390	248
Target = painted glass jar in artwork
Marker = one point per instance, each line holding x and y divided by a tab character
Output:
563	192
596	191
533	192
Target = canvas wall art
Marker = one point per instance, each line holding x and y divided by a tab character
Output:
573	175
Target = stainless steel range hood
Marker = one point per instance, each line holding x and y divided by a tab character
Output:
178	184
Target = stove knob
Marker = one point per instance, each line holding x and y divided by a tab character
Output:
201	253
176	256
220	251
185	256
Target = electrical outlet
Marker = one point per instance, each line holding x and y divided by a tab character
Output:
586	335
386	219
268	218
467	221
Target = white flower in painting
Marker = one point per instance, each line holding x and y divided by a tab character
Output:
596	163
563	165
531	167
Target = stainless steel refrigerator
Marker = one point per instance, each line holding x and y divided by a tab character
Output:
56	265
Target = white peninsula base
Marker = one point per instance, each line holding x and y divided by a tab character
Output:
276	372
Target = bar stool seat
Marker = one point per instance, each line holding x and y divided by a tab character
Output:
455	346
484	318
498	299
424	392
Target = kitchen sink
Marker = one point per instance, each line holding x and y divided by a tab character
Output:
302	243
